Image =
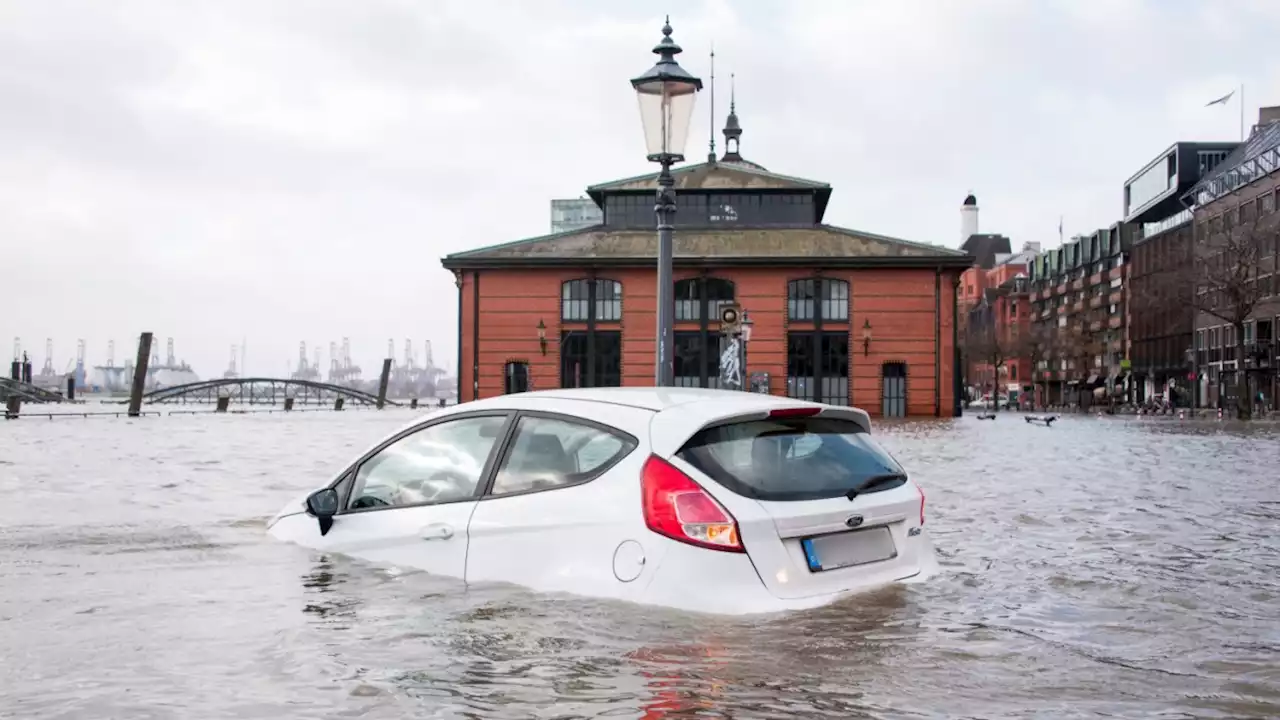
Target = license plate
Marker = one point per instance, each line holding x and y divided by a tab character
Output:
847	549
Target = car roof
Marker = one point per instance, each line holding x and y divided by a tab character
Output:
658	399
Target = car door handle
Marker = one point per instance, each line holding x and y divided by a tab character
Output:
438	531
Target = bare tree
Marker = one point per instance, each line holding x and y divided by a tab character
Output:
1224	279
1037	346
984	345
1080	346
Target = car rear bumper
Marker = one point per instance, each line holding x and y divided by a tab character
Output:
699	580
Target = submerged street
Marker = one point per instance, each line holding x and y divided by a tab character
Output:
1101	567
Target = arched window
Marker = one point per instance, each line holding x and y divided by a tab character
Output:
579	298
697	353
515	377
591	357
818	356
893	389
702	296
818	300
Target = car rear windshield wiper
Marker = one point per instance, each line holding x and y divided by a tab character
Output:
872	482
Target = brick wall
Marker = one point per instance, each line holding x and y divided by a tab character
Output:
899	305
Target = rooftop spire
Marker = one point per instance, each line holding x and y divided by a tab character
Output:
732	129
711	156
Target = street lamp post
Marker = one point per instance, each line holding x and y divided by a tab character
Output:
666	92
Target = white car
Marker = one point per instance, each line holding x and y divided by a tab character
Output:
704	500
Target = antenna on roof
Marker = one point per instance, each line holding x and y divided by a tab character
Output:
711	156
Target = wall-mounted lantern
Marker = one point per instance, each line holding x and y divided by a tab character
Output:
542	336
866	337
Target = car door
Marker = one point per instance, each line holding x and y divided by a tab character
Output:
563	498
408	503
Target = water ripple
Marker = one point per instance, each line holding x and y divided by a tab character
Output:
1106	567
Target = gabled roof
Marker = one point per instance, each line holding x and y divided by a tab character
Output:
809	245
985	247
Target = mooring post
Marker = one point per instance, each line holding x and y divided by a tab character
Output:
12	406
140	375
337	404
224	402
382	382
413	404
71	388
288	404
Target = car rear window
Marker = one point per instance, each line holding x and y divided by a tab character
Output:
793	459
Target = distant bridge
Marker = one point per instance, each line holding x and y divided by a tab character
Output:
260	391
26	392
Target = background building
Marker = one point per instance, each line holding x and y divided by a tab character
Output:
1236	277
574	214
837	315
993	311
1079	318
1162	313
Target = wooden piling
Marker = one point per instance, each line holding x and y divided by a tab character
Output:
382	382
140	375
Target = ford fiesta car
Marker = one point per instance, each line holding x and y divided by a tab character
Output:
704	500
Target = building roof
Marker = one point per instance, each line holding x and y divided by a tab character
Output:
599	245
713	176
730	175
985	246
1254	158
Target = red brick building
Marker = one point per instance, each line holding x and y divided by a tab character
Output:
993	299
837	315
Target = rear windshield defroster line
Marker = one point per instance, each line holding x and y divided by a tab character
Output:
793	459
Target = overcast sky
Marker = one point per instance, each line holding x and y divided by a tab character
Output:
293	170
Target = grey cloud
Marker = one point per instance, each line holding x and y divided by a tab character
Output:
288	171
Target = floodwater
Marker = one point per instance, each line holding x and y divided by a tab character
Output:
1103	567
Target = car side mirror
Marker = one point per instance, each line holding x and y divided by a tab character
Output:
324	505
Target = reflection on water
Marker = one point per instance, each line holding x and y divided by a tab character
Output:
1102	567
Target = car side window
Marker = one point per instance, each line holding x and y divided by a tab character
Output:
548	453
439	463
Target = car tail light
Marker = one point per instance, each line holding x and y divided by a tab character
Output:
921	491
677	507
796	412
